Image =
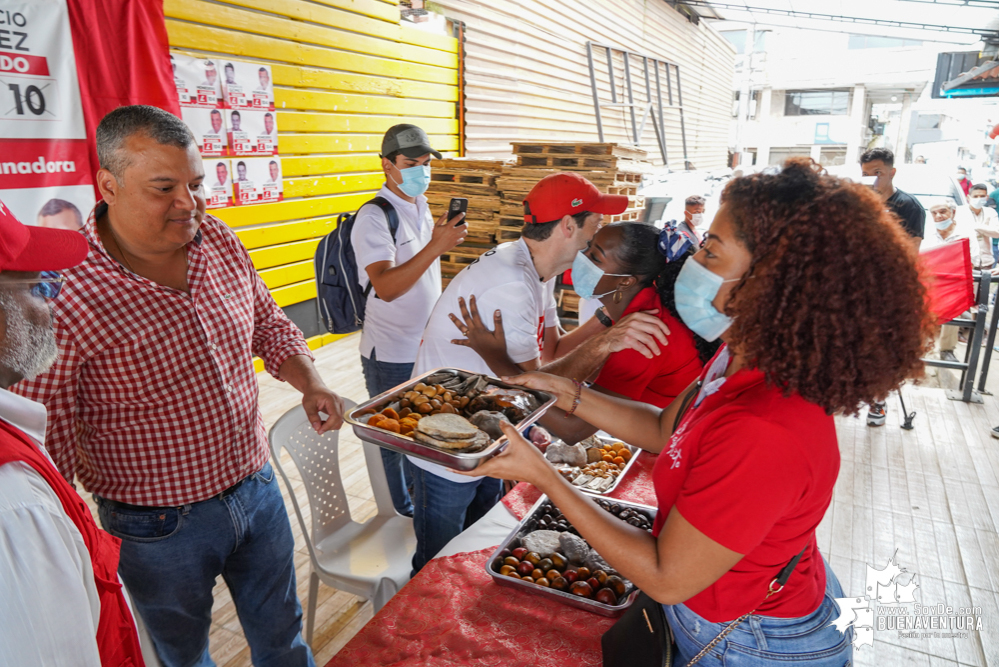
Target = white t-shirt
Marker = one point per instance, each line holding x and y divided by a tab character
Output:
393	329
981	229
503	279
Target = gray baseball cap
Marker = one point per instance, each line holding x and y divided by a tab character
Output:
410	140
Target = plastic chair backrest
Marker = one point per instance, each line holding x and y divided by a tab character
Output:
379	483
317	459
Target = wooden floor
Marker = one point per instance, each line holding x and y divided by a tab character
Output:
930	496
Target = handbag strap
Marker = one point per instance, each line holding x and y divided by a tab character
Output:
775	587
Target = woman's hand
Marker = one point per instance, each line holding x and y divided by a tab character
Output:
487	344
642	331
519	461
563	389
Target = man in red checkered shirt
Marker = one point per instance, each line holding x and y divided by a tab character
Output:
153	401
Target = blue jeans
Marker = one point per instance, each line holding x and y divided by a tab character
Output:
379	377
761	641
445	508
171	556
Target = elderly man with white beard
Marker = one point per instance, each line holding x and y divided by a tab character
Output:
62	601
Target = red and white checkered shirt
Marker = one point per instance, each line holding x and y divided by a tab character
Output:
153	400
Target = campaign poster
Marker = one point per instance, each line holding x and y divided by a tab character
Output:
218	183
197	80
247	85
257	181
208	127
252	132
45	172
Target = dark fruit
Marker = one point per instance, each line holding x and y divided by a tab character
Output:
507	569
571	576
532	557
559	561
505	553
511	560
525	568
584	573
560	583
606	596
541	581
600	576
519	553
546	564
594	584
582	589
616	584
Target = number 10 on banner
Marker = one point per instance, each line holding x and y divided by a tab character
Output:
23	98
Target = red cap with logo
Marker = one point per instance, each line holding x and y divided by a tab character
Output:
31	249
567	193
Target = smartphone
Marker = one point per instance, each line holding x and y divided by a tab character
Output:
457	205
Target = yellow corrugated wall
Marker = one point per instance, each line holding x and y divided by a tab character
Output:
344	71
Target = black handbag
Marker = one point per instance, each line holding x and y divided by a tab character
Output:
642	637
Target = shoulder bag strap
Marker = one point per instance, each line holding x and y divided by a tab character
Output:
393	225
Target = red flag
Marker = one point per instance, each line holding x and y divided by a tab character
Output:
122	58
946	272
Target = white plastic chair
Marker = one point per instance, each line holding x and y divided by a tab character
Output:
372	559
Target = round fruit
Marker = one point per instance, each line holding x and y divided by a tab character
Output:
546	564
537	574
507	569
541	581
559	561
560	583
582	589
571	576
600	576
594	584
511	560
532	557
607	596
616	584
525	568
513	574
505	553
584	573
519	553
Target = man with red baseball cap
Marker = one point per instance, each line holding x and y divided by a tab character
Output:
58	570
561	215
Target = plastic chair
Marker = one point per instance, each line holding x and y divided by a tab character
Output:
373	559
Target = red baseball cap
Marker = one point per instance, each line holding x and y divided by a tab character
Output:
24	248
568	193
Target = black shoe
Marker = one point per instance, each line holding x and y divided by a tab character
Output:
995	432
947	355
877	414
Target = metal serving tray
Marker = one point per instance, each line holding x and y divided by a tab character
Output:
406	445
635	451
561	596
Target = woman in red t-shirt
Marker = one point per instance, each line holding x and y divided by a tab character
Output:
747	473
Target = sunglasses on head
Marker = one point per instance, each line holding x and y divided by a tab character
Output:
47	285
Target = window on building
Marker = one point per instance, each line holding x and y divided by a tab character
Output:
754	101
879	42
737	38
830	157
778	155
928	122
816	102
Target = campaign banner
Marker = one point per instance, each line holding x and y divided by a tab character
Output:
218	183
252	132
197	80
247	85
258	181
208	127
45	171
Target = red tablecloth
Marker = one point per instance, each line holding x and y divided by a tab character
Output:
452	613
636	487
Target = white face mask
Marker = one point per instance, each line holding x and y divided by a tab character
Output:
696	219
977	202
869	181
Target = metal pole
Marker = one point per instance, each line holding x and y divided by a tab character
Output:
989	346
661	125
975	343
631	95
683	129
593	85
610	73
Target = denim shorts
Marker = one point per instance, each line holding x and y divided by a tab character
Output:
762	641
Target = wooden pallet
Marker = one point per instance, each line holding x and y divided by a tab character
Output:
568	301
561	148
504	234
627	216
567	161
466	164
464	176
481	203
450	189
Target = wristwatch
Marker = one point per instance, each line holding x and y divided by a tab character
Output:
601	315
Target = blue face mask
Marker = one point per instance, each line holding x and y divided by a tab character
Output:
694	290
586	275
944	224
415	180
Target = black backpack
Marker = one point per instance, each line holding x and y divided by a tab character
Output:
340	297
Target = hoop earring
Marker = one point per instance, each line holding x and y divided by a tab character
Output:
618	296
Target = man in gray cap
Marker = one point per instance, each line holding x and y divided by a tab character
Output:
405	273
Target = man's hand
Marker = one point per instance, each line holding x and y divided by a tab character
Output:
318	398
447	235
487	344
642	331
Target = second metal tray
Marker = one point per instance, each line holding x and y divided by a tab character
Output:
454	460
635	451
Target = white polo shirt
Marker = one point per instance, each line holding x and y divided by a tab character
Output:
984	226
393	329
503	279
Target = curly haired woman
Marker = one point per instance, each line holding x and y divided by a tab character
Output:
746	474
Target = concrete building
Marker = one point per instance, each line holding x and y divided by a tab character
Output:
812	93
